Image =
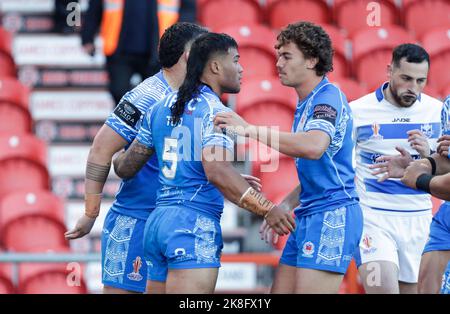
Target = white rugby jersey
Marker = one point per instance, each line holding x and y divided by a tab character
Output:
379	127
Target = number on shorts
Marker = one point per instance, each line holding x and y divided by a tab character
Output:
170	155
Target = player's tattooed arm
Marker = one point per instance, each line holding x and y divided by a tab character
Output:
96	172
128	163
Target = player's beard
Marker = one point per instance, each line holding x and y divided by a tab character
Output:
403	100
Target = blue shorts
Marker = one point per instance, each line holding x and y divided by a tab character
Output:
181	238
326	240
123	264
439	238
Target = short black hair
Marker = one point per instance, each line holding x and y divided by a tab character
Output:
412	52
174	40
312	41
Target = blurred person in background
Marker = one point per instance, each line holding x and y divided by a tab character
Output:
130	31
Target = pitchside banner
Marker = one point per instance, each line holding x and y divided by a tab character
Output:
66	132
71	105
54	50
42	77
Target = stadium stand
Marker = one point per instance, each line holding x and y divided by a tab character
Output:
437	43
212	13
282	12
267	102
421	16
353	15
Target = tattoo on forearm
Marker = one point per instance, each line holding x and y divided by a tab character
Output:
98	173
132	160
255	202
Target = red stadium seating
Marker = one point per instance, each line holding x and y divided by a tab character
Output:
353	15
278	178
267	102
14	92
351	88
422	16
6	283
256	48
23	160
437	44
446	92
372	52
219	13
51	278
18	121
340	64
7	66
32	220
282	12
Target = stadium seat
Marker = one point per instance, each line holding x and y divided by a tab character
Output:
267	102
431	91
216	13
278	178
23	160
7	66
445	92
437	44
353	15
14	98
256	48
351	88
14	92
32	220
6	283
422	16
372	52
52	278
282	12
340	64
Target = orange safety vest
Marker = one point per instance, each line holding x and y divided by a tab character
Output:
112	21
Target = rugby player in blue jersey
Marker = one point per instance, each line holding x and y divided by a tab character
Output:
328	216
183	239
123	266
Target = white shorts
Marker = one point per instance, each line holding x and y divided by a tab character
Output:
394	237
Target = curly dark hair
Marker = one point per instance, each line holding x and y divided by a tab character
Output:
174	40
313	42
203	48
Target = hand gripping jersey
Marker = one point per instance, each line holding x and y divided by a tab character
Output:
327	183
379	127
179	150
136	197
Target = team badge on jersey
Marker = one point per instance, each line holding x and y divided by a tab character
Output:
308	249
368	244
137	264
128	113
376	132
427	130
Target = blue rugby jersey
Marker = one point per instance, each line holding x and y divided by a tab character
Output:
327	183
136	196
179	150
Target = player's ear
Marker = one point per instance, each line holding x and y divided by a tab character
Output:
389	70
215	66
311	63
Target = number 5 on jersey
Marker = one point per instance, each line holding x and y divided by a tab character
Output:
170	155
